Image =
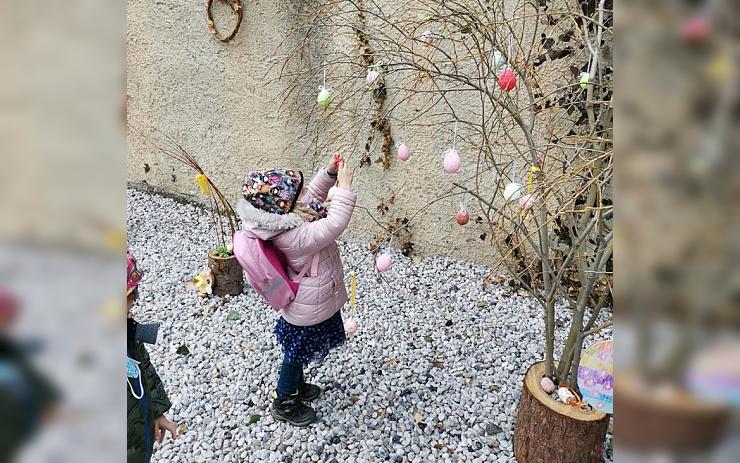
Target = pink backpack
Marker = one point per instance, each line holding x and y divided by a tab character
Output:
267	270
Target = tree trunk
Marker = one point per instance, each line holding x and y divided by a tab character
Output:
549	431
228	276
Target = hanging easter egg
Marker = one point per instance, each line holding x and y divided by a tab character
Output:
696	28
547	384
372	76
384	262
202	182
451	161
507	80
427	37
350	326
595	376
462	217
526	202
324	98
498	61
584	80
713	374
403	152
513	191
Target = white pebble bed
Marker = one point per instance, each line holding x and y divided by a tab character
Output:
433	348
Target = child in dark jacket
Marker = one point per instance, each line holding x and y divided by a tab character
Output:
147	400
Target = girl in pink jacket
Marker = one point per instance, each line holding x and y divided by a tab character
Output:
276	207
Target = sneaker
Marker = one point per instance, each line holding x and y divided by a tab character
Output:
308	392
292	410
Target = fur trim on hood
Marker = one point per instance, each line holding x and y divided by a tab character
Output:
256	218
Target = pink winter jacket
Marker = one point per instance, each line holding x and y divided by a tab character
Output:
320	294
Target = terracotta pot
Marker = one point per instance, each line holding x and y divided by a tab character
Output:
228	276
549	431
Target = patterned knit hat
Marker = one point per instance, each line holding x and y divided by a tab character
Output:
274	191
133	274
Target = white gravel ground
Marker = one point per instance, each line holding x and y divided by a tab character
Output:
432	346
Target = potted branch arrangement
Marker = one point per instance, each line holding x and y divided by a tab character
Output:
223	276
540	125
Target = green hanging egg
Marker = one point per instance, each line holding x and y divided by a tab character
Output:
585	80
324	98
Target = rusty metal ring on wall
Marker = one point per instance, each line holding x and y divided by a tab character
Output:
236	8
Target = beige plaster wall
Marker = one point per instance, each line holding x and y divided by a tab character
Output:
214	99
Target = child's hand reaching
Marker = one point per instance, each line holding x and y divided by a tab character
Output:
333	166
344	177
161	425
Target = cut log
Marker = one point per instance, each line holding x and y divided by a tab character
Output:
666	419
228	276
549	431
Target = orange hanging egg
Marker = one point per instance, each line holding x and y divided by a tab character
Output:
462	217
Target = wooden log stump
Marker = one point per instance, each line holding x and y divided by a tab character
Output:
228	276
549	431
666	419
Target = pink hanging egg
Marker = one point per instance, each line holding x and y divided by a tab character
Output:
526	202
384	262
547	384
350	326
507	80
462	217
403	152
695	29
451	162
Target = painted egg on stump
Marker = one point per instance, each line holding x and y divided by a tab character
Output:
526	202
324	98
427	37
462	217
507	80
403	152
513	191
372	76
384	262
547	384
451	162
350	326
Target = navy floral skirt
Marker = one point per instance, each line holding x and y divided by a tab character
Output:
306	344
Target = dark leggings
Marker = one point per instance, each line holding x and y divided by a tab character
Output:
291	376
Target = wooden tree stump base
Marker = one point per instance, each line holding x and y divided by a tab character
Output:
549	431
228	276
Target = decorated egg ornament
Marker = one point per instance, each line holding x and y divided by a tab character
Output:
546	383
427	37
696	28
403	152
451	162
324	98
498	61
350	326
584	80
507	80
384	262
462	217
372	76
526	202
513	191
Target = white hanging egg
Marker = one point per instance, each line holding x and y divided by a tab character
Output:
451	162
498	61
403	152
513	191
331	192
427	37
372	76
